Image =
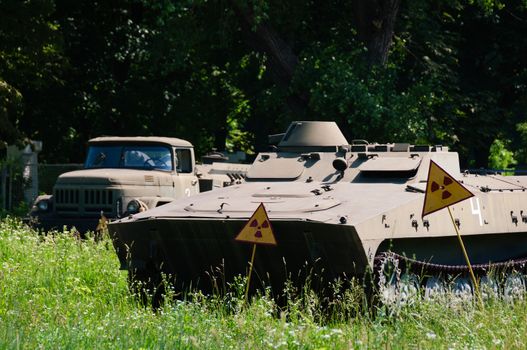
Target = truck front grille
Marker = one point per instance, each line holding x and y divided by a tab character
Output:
66	196
85	202
98	197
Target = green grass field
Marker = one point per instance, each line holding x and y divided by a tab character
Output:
60	292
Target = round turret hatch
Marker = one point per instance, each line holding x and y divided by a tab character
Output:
313	134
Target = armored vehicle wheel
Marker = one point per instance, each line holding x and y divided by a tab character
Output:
394	284
514	286
488	287
435	287
387	278
462	288
409	287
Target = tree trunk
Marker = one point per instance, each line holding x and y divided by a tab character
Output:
375	24
282	60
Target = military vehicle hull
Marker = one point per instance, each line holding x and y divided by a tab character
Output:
196	249
331	220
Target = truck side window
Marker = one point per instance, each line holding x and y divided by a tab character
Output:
184	161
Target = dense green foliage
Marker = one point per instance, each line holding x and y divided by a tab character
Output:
57	291
455	72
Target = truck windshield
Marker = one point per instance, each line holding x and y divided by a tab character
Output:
129	156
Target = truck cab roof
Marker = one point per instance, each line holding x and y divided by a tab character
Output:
172	141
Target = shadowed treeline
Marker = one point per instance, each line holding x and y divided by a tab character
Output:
227	73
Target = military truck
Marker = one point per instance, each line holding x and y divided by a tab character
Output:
127	175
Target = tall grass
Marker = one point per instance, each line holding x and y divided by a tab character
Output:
57	291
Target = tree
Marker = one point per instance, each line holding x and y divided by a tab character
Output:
227	73
30	66
10	108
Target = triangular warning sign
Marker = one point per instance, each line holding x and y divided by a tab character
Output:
442	190
258	229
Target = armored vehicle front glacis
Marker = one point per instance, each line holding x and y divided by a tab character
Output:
127	175
334	206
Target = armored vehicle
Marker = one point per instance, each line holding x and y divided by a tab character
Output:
127	175
336	207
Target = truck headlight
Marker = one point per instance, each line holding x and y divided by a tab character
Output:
135	206
43	205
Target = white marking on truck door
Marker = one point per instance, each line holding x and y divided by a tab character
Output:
477	210
187	192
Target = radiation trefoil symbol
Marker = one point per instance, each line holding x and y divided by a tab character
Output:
446	181
257	229
442	190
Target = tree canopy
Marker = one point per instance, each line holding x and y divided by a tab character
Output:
226	73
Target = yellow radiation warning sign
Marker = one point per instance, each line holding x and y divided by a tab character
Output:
442	190
258	229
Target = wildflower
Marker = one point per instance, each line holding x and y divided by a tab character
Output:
431	335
